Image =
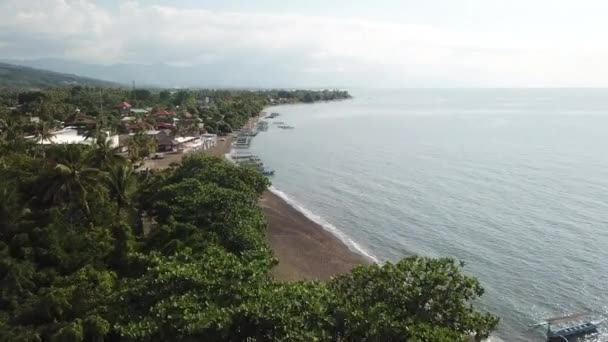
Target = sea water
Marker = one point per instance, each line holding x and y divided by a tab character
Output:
514	182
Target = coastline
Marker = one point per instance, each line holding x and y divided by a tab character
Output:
305	250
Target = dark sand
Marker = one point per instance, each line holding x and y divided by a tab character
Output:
304	249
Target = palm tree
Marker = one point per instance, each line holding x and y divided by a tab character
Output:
120	182
12	136
141	145
44	132
71	180
104	154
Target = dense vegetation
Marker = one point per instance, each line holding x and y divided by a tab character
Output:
14	76
92	251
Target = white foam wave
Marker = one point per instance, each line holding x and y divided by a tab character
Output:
352	245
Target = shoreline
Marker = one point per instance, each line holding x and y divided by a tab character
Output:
305	249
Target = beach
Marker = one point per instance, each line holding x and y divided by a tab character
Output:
304	249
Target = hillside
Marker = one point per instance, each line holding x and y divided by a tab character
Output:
16	76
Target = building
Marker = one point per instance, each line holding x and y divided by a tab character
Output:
72	135
124	108
80	119
165	142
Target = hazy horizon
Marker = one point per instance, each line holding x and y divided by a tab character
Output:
392	44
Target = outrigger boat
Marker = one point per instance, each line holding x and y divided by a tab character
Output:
564	327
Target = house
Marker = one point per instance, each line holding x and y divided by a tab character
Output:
124	108
165	119
80	119
165	142
164	113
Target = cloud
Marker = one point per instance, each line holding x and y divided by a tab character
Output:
306	47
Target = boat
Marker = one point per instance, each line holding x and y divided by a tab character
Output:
266	171
273	115
286	127
278	122
564	327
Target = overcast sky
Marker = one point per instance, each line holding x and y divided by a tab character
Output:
383	43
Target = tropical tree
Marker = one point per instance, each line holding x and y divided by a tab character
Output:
44	132
141	145
104	154
71	179
121	182
420	299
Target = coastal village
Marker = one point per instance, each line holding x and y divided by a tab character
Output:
156	134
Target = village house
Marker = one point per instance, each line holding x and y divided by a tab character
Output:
124	108
165	142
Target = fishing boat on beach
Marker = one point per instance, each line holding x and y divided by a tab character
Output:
286	127
565	327
273	115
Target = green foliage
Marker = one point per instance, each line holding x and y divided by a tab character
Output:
405	299
141	145
75	264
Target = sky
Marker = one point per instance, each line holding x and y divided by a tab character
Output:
380	43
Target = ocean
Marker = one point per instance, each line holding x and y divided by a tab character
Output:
514	182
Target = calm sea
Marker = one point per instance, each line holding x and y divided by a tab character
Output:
512	182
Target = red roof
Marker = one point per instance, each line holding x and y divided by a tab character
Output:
164	112
164	125
124	104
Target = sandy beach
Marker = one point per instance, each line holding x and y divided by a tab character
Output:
304	249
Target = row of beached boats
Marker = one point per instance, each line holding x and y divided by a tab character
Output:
241	157
243	142
250	160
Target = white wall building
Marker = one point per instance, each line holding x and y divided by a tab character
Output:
70	135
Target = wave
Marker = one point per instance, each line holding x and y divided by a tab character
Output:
494	339
352	245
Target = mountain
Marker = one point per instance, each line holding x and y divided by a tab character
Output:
18	76
219	74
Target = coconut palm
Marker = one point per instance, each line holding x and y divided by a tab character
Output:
120	183
44	132
71	179
12	136
104	154
141	145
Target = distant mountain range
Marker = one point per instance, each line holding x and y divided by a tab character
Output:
17	76
222	74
